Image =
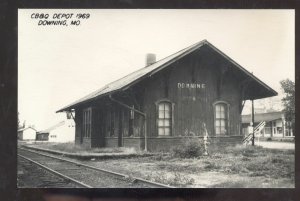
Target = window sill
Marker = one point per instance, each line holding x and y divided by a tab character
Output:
164	136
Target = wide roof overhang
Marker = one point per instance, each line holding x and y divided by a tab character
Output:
256	89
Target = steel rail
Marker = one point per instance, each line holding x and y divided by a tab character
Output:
55	172
123	176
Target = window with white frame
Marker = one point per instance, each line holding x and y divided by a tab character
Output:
164	118
221	118
87	122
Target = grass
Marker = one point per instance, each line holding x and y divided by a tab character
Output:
172	178
244	161
247	160
73	148
254	161
237	166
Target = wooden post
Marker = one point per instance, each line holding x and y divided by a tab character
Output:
283	125
253	122
145	133
272	129
120	131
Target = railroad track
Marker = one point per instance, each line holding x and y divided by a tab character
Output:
84	175
31	175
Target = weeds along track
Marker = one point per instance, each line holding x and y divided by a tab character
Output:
82	175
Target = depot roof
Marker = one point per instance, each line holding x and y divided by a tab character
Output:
132	78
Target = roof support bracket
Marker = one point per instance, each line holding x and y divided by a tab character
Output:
72	116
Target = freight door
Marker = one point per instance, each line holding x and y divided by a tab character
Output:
101	123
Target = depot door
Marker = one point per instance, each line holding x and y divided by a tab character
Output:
120	133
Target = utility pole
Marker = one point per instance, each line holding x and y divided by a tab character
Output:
253	122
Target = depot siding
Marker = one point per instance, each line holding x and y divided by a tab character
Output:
193	106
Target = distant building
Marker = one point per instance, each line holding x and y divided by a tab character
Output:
264	105
63	131
42	136
276	126
28	133
260	110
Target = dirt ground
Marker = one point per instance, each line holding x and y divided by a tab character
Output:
276	145
233	167
250	168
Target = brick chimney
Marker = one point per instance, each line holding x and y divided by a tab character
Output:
150	59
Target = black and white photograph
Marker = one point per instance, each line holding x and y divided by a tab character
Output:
156	98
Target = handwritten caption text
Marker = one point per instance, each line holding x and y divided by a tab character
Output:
59	19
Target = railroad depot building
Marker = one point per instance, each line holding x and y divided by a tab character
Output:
157	106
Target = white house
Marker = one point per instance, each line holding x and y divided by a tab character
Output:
276	125
28	133
63	131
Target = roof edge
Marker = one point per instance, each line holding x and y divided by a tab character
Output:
185	52
196	46
242	68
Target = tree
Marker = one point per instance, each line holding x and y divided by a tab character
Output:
19	126
288	101
19	122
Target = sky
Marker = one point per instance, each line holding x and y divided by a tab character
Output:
59	64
